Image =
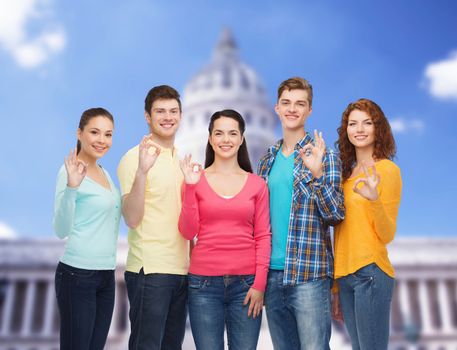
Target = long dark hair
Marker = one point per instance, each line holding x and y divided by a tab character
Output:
384	143
87	115
243	155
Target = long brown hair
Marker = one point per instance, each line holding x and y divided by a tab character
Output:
384	143
243	155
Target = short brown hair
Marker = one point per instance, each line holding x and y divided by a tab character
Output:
161	92
296	83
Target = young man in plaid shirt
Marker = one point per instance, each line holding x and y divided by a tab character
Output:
306	198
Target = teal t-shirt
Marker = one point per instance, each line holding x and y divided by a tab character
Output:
280	184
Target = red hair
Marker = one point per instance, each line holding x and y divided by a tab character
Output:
384	143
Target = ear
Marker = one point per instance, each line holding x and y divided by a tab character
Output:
277	109
78	134
147	116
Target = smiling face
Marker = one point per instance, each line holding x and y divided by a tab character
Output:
225	138
361	130
293	109
96	137
163	119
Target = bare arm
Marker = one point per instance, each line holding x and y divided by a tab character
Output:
133	202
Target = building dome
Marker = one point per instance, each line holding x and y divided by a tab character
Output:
226	83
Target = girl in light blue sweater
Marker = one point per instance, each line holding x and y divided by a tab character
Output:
87	212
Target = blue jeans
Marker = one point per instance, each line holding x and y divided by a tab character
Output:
86	301
365	298
158	310
217	301
298	316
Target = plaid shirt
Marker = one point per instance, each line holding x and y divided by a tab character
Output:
316	204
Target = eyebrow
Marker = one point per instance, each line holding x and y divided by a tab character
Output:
368	119
287	100
225	130
97	129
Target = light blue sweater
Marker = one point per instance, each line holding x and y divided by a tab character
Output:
89	216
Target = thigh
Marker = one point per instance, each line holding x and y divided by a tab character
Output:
311	305
373	295
242	331
76	299
281	320
206	311
105	307
347	303
150	296
175	327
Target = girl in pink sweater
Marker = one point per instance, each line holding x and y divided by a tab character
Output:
226	208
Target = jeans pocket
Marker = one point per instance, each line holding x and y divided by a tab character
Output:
247	280
76	272
366	273
58	282
196	282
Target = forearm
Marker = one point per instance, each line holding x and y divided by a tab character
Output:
263	252
64	212
133	202
330	203
189	218
328	191
384	217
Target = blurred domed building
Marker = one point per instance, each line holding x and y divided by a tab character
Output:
226	83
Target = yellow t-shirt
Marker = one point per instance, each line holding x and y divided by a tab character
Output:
156	244
368	227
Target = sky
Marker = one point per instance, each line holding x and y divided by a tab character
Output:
58	58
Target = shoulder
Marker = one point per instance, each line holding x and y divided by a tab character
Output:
386	166
331	156
257	181
130	157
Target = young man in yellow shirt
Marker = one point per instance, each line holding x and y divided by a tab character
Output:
157	262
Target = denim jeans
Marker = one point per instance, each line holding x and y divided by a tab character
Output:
158	310
298	316
365	298
86	301
217	301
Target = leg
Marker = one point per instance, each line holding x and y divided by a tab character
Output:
206	311
311	305
149	297
242	331
373	295
347	301
281	320
175	327
76	299
105	307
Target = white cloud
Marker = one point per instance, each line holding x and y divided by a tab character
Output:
441	77
403	125
6	232
29	49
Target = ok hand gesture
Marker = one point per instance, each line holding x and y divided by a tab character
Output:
370	183
191	171
312	155
149	151
76	169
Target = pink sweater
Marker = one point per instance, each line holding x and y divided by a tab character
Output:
233	235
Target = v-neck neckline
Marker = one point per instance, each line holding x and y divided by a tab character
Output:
110	189
232	197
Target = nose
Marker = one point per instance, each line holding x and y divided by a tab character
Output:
360	127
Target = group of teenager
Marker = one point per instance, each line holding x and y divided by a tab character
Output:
219	243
